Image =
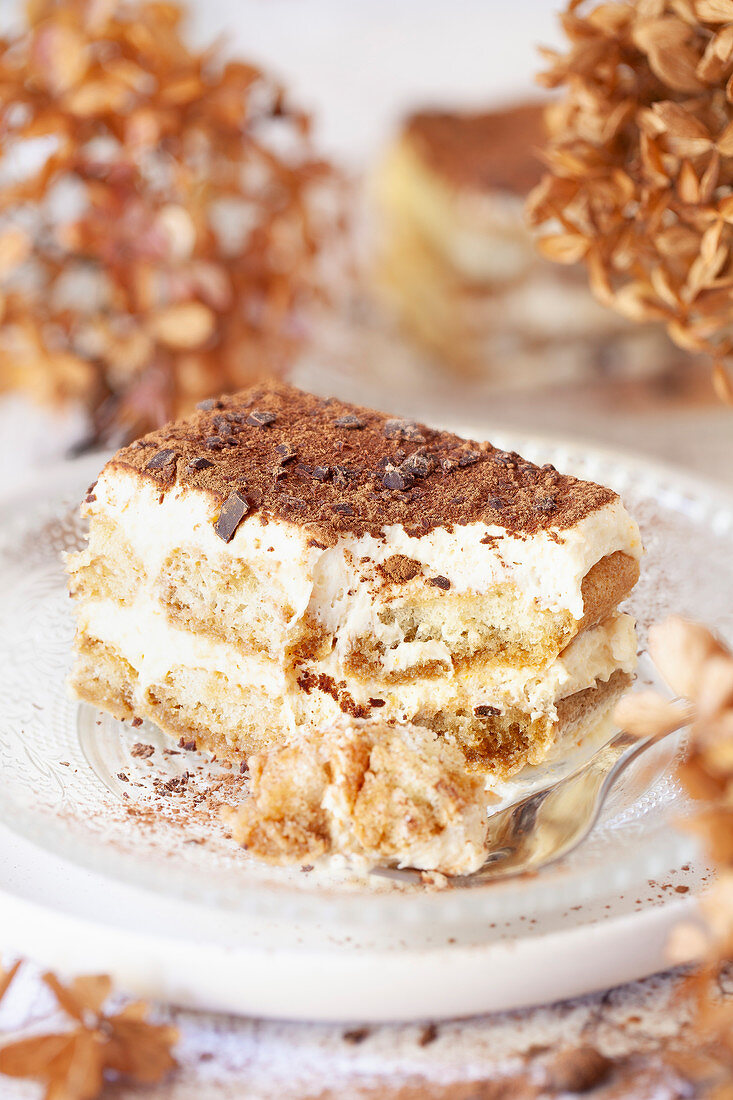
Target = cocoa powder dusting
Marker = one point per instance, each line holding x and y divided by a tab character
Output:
355	481
482	150
399	569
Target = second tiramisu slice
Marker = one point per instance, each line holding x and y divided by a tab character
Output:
278	561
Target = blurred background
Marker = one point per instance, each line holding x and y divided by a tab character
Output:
412	283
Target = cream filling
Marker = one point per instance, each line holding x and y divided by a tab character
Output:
481	235
342	586
540	305
154	647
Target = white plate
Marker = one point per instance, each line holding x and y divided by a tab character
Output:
178	912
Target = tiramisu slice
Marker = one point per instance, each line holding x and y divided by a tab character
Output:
459	266
278	560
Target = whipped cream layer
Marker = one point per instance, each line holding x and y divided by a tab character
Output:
344	587
481	234
142	633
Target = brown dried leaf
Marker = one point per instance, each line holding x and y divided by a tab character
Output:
15	248
32	1057
710	178
676	67
98	97
59	56
714	11
140	1050
688	185
715	62
638	302
724	143
85	995
662	286
73	1064
688	943
578	1070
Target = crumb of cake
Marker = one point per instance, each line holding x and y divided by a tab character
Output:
370	790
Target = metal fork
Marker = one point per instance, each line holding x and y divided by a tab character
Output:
549	823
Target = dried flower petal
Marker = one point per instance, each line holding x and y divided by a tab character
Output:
74	1064
715	686
183	326
679	649
647	714
715	11
723	383
563	248
688	943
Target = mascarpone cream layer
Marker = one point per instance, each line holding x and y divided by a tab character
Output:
342	586
481	234
154	647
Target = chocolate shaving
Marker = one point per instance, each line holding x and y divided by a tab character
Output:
357	1035
286	452
163	458
417	466
320	473
349	422
199	463
394	478
403	429
142	751
233	511
261	419
440	582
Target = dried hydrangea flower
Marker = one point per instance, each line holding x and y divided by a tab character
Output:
697	664
161	214
640	159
